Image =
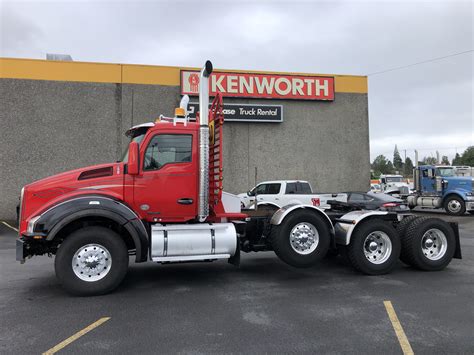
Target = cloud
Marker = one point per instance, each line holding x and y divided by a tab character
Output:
424	106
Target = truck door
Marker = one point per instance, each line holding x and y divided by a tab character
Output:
271	192
166	188
428	181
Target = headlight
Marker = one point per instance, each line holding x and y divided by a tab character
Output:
31	225
469	193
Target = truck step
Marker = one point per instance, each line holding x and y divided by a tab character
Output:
162	259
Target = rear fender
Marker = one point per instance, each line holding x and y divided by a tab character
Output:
347	224
51	222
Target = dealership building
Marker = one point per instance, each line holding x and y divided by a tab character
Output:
60	115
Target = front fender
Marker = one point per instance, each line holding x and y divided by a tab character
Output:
461	193
346	225
54	219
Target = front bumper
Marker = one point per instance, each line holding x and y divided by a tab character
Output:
470	206
20	250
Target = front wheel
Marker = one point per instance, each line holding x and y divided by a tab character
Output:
91	261
455	206
374	248
302	239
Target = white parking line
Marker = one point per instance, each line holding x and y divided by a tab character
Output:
9	226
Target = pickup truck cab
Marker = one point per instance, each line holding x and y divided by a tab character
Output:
280	193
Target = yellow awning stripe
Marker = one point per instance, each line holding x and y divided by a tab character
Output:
36	69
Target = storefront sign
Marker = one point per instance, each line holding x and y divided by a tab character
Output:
267	86
245	113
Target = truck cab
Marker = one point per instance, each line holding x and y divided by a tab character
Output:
394	185
438	187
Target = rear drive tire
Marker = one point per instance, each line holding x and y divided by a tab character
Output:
401	228
455	206
374	248
91	261
429	244
302	239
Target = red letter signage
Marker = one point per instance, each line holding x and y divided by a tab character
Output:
266	86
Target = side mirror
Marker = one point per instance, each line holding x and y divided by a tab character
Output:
133	158
250	193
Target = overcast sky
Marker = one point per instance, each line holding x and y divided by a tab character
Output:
425	107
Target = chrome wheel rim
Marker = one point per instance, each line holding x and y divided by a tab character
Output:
434	244
454	206
91	262
377	247
304	238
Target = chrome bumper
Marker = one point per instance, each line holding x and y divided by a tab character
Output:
470	206
20	250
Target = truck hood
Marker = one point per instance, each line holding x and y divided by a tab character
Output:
103	178
460	182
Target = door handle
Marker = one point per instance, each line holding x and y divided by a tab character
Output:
185	201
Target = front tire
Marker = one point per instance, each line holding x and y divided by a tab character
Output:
91	261
455	206
374	248
302	239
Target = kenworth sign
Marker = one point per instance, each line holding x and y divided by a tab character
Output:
266	86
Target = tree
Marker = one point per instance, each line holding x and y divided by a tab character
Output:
457	159
380	165
408	167
390	168
429	161
467	157
397	159
444	160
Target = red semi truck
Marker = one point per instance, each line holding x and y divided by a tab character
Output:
164	203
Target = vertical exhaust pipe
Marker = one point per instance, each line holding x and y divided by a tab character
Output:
203	208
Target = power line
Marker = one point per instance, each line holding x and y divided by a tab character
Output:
418	63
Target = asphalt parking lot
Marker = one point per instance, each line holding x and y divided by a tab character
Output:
264	306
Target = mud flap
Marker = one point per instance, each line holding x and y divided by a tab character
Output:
457	252
235	259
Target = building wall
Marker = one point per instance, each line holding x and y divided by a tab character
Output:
79	116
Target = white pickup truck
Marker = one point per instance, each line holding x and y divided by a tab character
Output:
280	193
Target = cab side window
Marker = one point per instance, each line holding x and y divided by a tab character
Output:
290	188
167	149
268	189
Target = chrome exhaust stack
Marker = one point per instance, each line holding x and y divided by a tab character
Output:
203	208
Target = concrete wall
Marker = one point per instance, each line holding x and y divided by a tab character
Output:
53	126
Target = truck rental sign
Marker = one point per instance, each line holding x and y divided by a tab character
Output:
244	112
262	86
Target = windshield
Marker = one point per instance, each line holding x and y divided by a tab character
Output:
137	139
394	179
445	172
